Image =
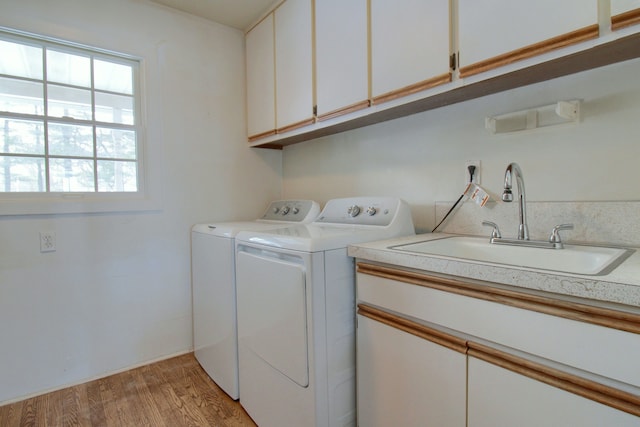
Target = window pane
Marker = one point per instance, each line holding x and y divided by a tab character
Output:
69	102
70	140
83	139
20	60
113	77
21	136
21	174
71	175
19	96
68	68
114	108
115	143
117	176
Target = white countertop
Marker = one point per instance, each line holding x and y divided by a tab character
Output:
621	286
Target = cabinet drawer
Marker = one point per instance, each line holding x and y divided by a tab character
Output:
601	350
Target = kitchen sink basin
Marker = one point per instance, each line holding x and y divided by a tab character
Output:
574	259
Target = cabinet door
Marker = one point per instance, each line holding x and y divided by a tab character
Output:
342	76
404	380
624	13
502	398
261	107
294	79
409	46
497	32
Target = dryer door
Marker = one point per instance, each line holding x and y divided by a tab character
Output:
272	312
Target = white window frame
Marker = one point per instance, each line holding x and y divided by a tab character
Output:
144	199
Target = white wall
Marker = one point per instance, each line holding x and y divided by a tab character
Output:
116	293
421	158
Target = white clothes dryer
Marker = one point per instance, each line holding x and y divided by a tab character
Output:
296	312
215	337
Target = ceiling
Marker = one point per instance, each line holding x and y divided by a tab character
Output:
234	13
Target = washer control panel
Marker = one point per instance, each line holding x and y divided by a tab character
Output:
360	210
292	211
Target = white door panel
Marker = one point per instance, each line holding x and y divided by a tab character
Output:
272	314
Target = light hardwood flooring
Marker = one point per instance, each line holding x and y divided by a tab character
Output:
175	392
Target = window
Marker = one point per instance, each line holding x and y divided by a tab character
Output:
69	118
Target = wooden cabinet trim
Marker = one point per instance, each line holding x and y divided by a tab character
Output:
297	125
258	136
583	34
606	395
622	20
345	110
610	318
442	338
411	89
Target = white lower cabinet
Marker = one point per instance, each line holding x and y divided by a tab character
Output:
446	351
502	398
405	380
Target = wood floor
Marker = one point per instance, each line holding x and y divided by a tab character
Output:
172	393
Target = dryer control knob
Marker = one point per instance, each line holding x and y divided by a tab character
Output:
353	211
371	211
295	211
276	210
285	210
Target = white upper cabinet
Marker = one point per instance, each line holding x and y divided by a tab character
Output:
624	13
294	73
342	76
493	33
621	6
410	46
261	112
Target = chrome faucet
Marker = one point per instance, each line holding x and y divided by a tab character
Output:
554	241
507	196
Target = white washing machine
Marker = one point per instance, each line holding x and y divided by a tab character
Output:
215	337
296	312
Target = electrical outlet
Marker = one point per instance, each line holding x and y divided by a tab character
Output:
47	241
476	172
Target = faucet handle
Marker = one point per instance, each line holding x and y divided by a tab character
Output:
555	234
495	233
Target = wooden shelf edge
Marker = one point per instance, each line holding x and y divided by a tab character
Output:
297	125
625	19
411	89
574	37
619	50
259	136
346	110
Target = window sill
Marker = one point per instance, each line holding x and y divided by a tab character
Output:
76	203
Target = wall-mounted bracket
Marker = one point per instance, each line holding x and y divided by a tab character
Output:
558	113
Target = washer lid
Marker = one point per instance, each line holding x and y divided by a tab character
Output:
316	238
280	213
231	229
